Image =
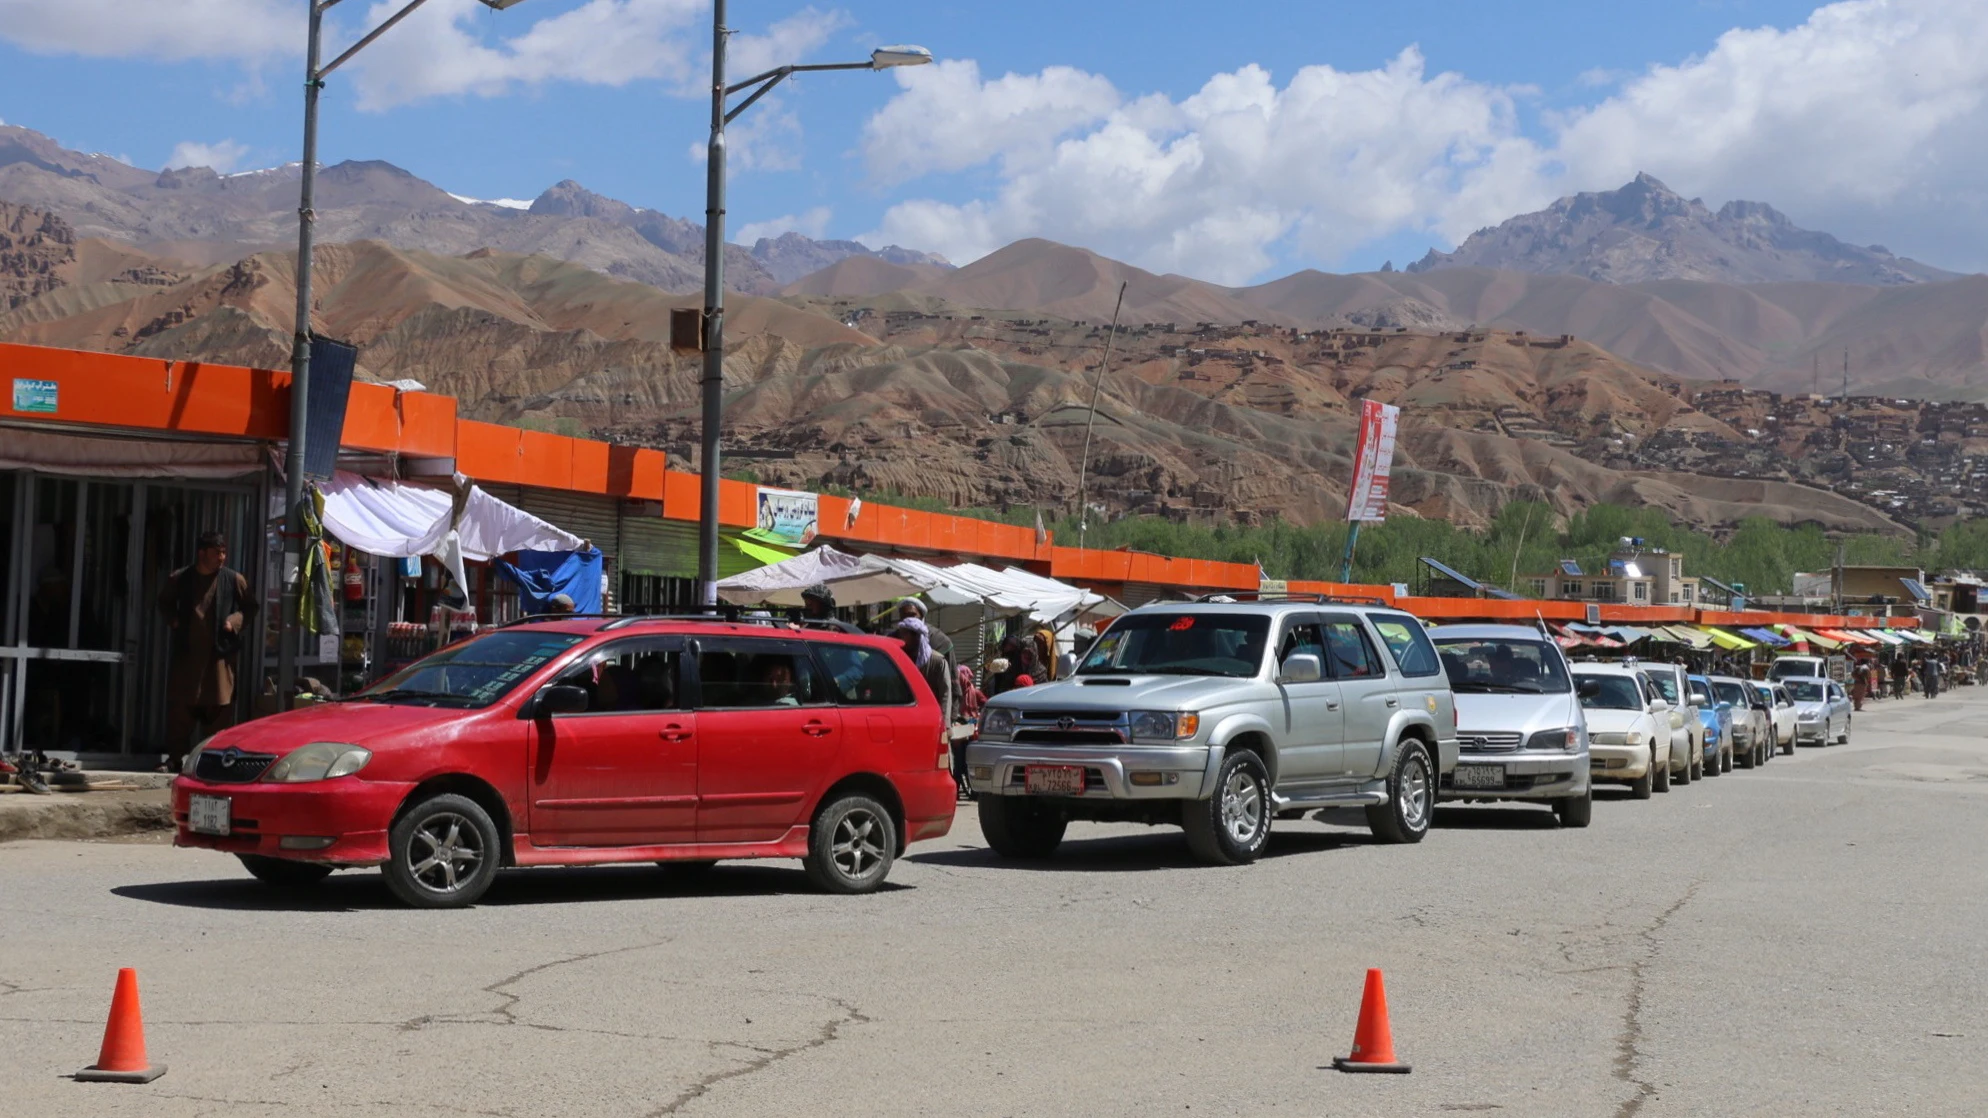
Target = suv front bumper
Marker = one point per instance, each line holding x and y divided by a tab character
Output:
1529	775
998	768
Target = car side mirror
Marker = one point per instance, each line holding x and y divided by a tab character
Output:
560	698
1301	667
1588	688
1658	706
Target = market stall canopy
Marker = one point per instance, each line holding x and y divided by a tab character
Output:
1731	642
1803	636
857	580
390	518
1766	637
1008	591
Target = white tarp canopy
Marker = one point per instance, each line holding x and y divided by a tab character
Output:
390	518
1010	590
858	580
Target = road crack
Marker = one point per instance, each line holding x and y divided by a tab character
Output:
1629	1056
829	1033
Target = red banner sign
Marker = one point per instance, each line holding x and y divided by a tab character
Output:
1373	457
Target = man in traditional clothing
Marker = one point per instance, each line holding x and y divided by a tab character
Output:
207	606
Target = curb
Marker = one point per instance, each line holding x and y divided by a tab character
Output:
83	816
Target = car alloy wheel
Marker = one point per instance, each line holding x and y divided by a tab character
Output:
1242	807
443	852
858	845
446	852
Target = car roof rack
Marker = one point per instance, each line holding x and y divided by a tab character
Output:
1274	596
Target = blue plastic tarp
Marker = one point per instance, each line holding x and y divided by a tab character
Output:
541	575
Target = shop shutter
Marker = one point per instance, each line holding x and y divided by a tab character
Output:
655	545
1138	594
590	516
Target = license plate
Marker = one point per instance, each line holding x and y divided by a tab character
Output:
1479	776
1055	780
209	815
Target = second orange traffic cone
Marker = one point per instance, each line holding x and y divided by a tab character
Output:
122	1058
1373	1040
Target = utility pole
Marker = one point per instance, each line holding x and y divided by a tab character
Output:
1846	374
713	387
1084	470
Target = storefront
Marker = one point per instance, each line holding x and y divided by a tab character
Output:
90	529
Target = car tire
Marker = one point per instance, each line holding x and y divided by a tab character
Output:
1576	811
1231	827
1788	749
283	873
1726	759
1745	760
1411	797
1659	774
851	845
1684	777
1018	827
442	853
1641	787
1845	739
1698	764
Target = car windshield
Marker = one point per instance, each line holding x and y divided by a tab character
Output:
1734	693
1699	695
1499	664
1784	668
474	673
1224	644
1611	692
1805	691
1666	685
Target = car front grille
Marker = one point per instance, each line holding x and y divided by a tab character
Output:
1059	736
1488	741
231	765
1072	715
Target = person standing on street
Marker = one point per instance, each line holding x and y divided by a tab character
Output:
818	605
207	606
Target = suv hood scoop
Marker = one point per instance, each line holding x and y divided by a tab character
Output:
1104	683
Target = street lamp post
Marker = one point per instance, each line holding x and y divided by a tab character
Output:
300	345
883	58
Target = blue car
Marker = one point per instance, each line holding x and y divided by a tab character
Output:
1718	720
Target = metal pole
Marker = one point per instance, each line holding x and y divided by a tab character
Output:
1084	470
714	318
300	374
1346	560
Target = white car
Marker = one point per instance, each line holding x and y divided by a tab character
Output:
1687	734
1781	712
1822	711
1629	731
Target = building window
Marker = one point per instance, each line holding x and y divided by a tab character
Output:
1570	589
1687	593
1604	592
1642	591
1539	588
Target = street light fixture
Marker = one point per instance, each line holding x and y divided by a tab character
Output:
300	349
713	333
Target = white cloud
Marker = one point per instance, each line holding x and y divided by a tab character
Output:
452	47
223	156
1869	120
812	223
175	31
948	118
1209	184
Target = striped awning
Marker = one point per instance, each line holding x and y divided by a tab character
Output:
1731	642
1806	637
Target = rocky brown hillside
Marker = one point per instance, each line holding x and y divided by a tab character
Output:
1645	231
34	249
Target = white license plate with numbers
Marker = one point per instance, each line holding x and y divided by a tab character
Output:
1479	776
209	815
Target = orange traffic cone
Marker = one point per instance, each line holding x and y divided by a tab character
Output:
1373	1040
122	1059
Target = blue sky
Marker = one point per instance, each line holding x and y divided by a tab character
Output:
1502	106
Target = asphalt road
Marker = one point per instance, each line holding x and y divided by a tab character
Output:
1806	939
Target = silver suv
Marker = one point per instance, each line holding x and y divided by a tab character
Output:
1217	716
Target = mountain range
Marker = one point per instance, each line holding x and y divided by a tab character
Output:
1646	232
197	215
894	371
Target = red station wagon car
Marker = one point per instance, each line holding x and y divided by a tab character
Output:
583	741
